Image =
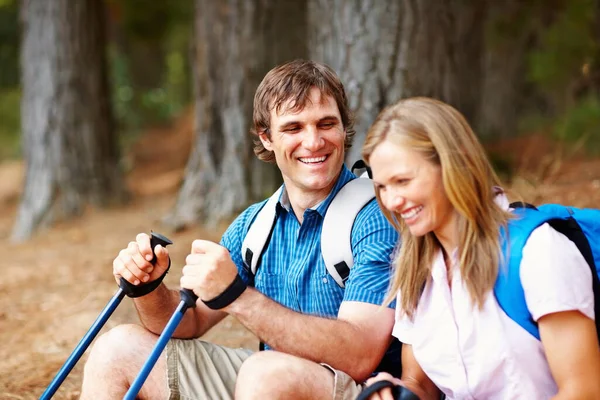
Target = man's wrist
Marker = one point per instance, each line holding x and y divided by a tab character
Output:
240	305
229	295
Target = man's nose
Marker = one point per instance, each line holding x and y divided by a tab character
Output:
313	140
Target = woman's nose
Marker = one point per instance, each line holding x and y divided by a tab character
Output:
393	200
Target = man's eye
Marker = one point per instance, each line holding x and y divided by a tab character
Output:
292	129
327	125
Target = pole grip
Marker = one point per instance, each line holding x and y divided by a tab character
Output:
132	290
188	297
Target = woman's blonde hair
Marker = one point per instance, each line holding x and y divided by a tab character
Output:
443	136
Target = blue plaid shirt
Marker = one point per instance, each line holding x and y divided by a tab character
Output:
292	271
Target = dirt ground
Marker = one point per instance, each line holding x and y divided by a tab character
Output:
54	286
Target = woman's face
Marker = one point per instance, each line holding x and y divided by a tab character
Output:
412	187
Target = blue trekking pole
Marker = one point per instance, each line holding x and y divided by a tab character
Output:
125	288
188	300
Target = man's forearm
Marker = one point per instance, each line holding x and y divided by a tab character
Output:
156	308
336	342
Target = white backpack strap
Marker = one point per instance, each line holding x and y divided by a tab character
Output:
336	243
259	232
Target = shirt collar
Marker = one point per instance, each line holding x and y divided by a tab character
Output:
344	177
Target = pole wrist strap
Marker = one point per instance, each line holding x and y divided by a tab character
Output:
229	295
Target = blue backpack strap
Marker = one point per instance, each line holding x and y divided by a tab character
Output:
582	227
579	225
508	288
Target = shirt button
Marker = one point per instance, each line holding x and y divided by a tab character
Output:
324	280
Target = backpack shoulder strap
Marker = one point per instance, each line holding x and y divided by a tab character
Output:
508	288
336	246
577	225
260	232
582	227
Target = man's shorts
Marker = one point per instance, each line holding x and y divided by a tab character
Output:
201	370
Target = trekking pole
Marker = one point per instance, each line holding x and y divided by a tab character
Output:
125	288
188	300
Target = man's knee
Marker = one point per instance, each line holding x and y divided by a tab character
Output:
123	342
258	375
276	374
116	358
265	364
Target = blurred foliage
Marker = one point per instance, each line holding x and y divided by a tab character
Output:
509	20
10	125
565	46
9	43
149	54
148	59
580	125
564	66
504	165
10	95
149	63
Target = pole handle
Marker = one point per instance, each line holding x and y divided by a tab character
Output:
132	290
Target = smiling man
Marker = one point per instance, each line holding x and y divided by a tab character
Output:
322	339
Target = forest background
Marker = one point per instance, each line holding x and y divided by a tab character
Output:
118	117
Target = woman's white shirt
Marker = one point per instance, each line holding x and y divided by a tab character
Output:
472	353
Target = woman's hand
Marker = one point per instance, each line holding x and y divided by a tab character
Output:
386	393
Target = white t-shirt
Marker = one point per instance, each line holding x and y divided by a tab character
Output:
472	353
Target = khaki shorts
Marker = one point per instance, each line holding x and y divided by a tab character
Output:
198	370
345	388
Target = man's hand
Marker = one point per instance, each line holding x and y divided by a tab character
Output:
209	270
133	262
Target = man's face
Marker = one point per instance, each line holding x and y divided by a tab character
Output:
308	145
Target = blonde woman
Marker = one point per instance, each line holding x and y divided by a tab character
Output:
436	185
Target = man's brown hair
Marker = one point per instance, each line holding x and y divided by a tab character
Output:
293	81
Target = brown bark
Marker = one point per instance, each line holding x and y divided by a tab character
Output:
237	42
362	42
504	93
445	43
69	143
385	50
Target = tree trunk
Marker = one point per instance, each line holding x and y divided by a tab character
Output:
504	91
69	143
237	42
363	42
445	49
385	50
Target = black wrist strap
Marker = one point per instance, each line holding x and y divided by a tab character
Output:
229	295
134	291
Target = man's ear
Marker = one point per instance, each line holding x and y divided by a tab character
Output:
264	138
